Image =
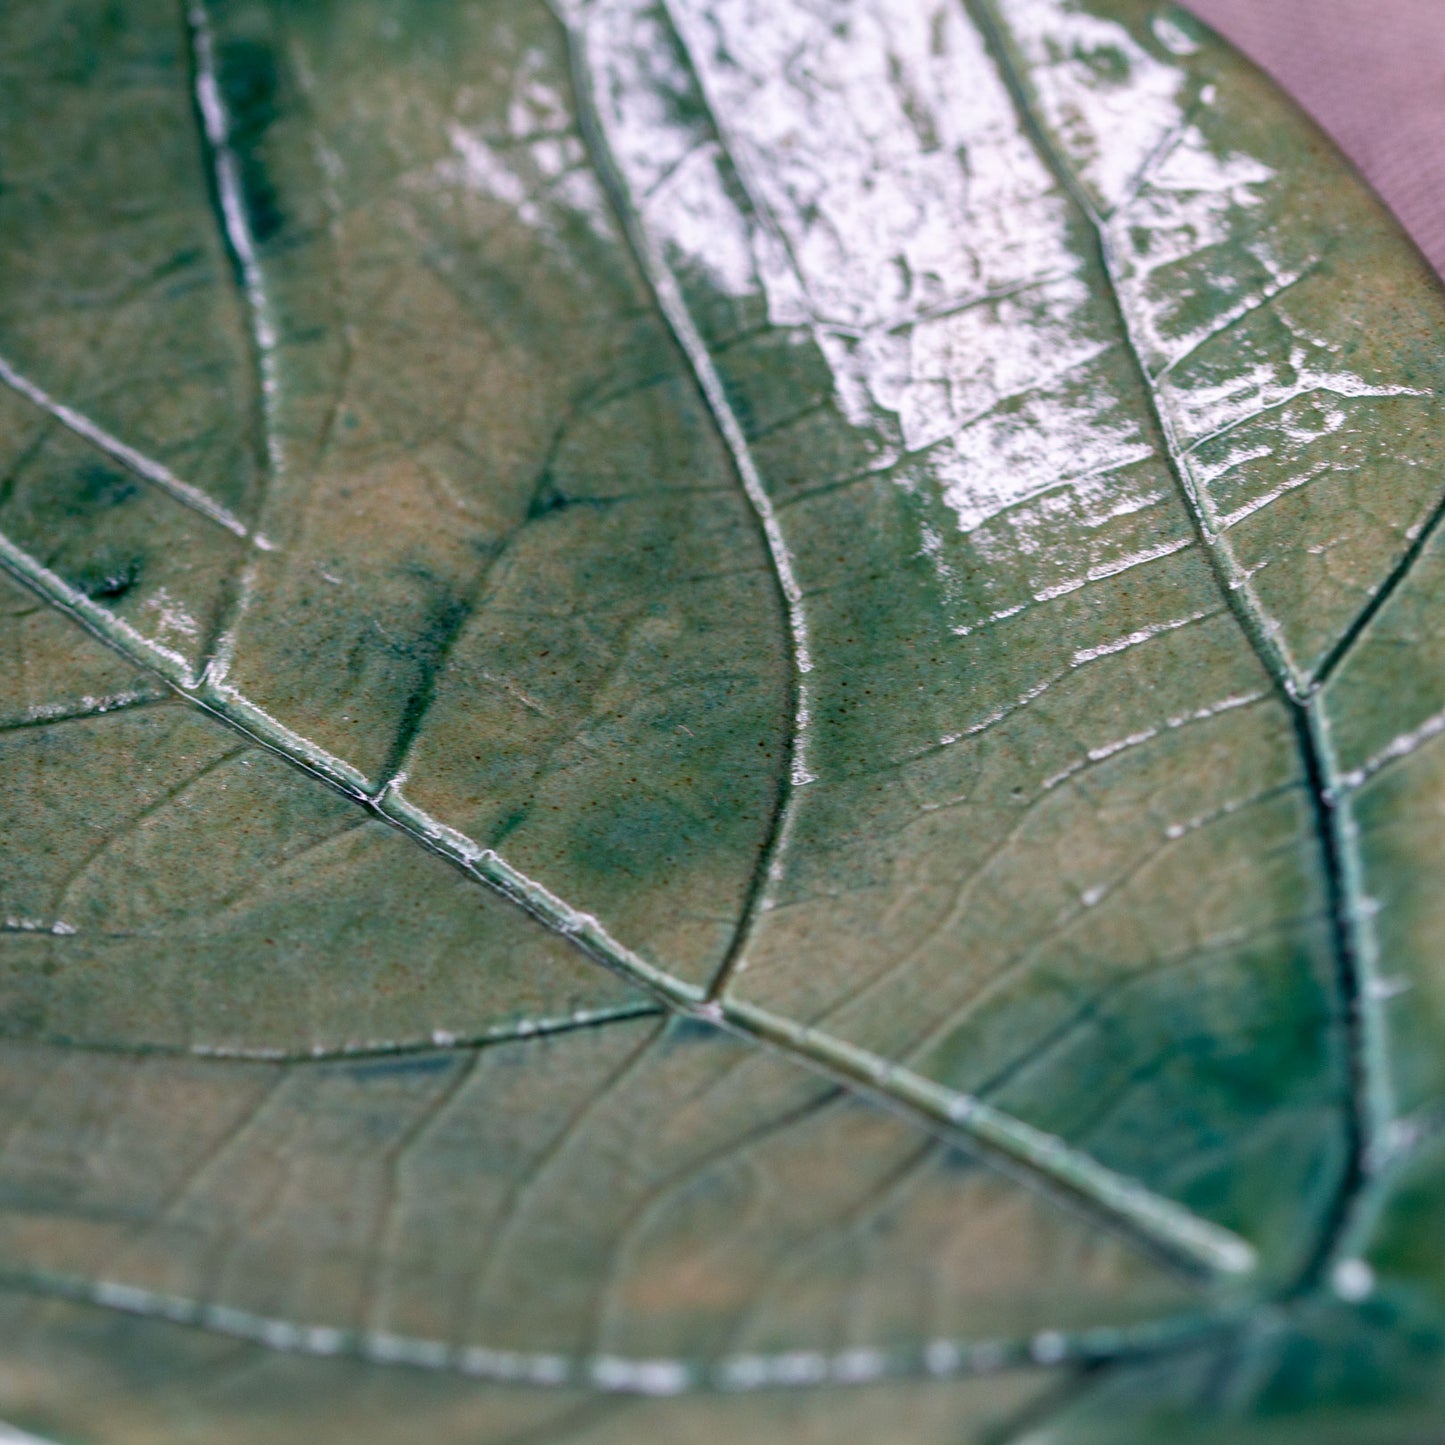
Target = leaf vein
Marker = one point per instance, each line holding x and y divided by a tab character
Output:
937	1359
147	468
668	297
1369	1106
1151	1221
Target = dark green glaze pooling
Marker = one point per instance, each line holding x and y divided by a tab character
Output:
600	593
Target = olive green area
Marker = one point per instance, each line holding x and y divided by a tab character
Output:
296	924
485	498
1059	796
1332	1371
716	722
696	1201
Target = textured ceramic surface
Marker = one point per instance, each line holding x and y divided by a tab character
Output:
721	721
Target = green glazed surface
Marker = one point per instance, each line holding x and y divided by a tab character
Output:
719	720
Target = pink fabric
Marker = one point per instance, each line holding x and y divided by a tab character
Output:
1372	73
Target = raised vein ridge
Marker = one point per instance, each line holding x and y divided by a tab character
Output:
439	1041
667	296
627	1375
1151	1222
224	184
147	468
1370	1106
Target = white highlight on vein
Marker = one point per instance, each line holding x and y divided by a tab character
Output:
642	1377
1113	569
613	1374
227	167
1227	520
1172	35
58	928
671	302
1014	1139
1133	639
1105	751
1175	831
1382	990
439	1039
242	713
82	707
995	717
679	319
1049	1347
137	462
1199	400
1401	747
146	650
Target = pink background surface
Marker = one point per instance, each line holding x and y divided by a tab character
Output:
1372	72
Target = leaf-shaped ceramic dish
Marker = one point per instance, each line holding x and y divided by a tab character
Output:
720	722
